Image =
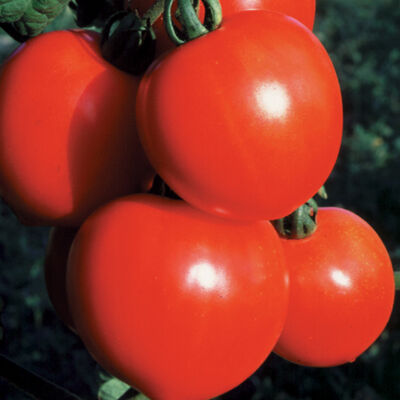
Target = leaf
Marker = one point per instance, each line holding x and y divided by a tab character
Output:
140	397
23	19
12	10
113	389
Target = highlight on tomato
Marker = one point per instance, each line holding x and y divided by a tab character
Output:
68	140
177	303
341	291
251	130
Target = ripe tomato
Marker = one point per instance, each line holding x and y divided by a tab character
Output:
341	291
177	303
303	10
67	131
55	268
245	121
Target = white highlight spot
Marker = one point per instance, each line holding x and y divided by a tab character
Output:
340	278
273	100
207	277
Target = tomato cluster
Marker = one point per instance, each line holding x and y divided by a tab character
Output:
186	298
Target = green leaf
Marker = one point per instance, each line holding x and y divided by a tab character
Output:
141	397
113	389
23	19
12	10
50	8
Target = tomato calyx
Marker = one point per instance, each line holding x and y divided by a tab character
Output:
192	27
128	42
302	222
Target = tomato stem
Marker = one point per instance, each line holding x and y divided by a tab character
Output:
192	28
154	12
300	224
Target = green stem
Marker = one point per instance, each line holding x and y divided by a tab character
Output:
169	25
192	27
213	15
397	279
190	21
300	224
154	12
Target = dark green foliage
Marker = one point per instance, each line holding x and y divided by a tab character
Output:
12	10
362	37
33	336
23	19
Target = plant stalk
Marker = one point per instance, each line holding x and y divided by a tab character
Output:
397	279
154	12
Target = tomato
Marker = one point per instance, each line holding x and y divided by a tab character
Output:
177	303
341	291
55	267
303	10
67	131
246	121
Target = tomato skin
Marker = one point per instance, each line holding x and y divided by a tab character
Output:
55	268
177	303
250	132
68	140
303	10
341	291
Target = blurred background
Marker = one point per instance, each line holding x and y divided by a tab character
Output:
362	37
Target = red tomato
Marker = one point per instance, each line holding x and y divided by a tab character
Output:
245	121
302	10
55	267
177	303
341	291
67	131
